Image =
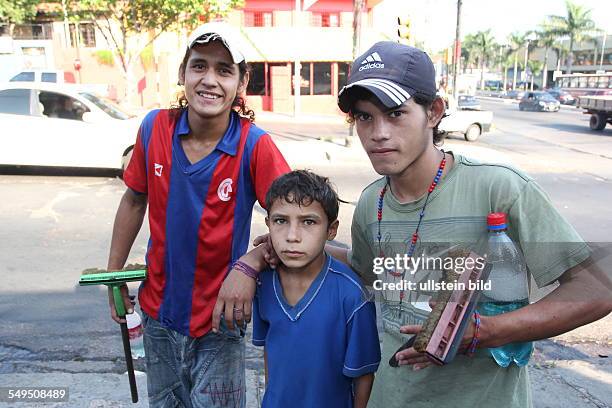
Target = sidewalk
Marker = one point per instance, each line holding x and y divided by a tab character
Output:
573	370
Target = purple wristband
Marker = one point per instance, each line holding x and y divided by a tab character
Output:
246	269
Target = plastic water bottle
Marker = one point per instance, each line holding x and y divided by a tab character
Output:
134	324
509	287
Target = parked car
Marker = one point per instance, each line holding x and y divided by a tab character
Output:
539	101
63	125
562	96
44	75
468	102
515	94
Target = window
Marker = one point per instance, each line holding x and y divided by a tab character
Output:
602	82
42	31
574	82
108	106
48	77
343	71
257	80
325	19
15	101
316	78
87	35
592	81
322	78
27	76
258	19
61	106
305	82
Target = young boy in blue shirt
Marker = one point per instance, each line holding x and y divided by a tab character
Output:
316	322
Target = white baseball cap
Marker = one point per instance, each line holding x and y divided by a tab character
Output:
218	31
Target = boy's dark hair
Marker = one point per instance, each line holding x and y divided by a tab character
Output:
239	104
424	101
303	187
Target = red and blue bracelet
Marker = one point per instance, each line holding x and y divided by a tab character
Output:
472	347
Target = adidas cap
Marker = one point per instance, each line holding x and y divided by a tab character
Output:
218	31
393	73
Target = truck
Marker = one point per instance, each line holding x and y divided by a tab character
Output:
600	109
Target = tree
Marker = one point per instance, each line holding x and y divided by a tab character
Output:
546	40
516	40
16	12
130	26
576	25
507	57
535	67
484	45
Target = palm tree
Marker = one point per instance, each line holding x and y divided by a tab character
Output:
507	57
576	25
485	46
535	67
516	40
547	41
468	51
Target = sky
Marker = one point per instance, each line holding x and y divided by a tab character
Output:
434	21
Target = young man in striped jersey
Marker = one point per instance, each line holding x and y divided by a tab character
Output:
199	167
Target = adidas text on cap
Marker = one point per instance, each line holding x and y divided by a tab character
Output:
393	73
218	31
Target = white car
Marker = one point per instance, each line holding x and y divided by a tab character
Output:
63	125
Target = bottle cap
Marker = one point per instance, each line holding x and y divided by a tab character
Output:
496	220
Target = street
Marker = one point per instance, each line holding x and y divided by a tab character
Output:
54	333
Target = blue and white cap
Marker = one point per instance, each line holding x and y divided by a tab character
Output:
393	72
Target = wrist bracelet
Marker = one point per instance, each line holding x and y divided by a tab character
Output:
246	269
472	347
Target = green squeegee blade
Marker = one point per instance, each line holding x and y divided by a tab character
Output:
112	277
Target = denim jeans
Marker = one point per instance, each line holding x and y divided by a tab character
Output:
186	372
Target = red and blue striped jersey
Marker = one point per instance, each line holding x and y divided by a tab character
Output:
199	214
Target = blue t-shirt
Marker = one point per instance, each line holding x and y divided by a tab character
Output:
316	348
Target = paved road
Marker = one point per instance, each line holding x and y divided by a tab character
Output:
53	333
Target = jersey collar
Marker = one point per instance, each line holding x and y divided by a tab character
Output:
230	140
294	312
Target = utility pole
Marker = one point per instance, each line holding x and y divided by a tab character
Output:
457	53
357	8
297	79
603	48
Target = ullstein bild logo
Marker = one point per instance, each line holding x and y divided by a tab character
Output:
372	61
224	190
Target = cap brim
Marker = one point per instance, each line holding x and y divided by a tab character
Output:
237	56
389	93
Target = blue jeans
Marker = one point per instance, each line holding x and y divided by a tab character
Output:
186	372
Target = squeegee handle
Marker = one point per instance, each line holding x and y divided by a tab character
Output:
118	299
128	360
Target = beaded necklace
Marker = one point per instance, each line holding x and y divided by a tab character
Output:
415	235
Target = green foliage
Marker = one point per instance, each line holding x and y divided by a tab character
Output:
118	20
17	11
577	24
137	16
535	67
105	57
146	57
479	47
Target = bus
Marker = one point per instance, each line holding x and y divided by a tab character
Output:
585	84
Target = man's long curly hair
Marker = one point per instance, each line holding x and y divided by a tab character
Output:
239	104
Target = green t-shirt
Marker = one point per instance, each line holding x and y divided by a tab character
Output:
456	215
